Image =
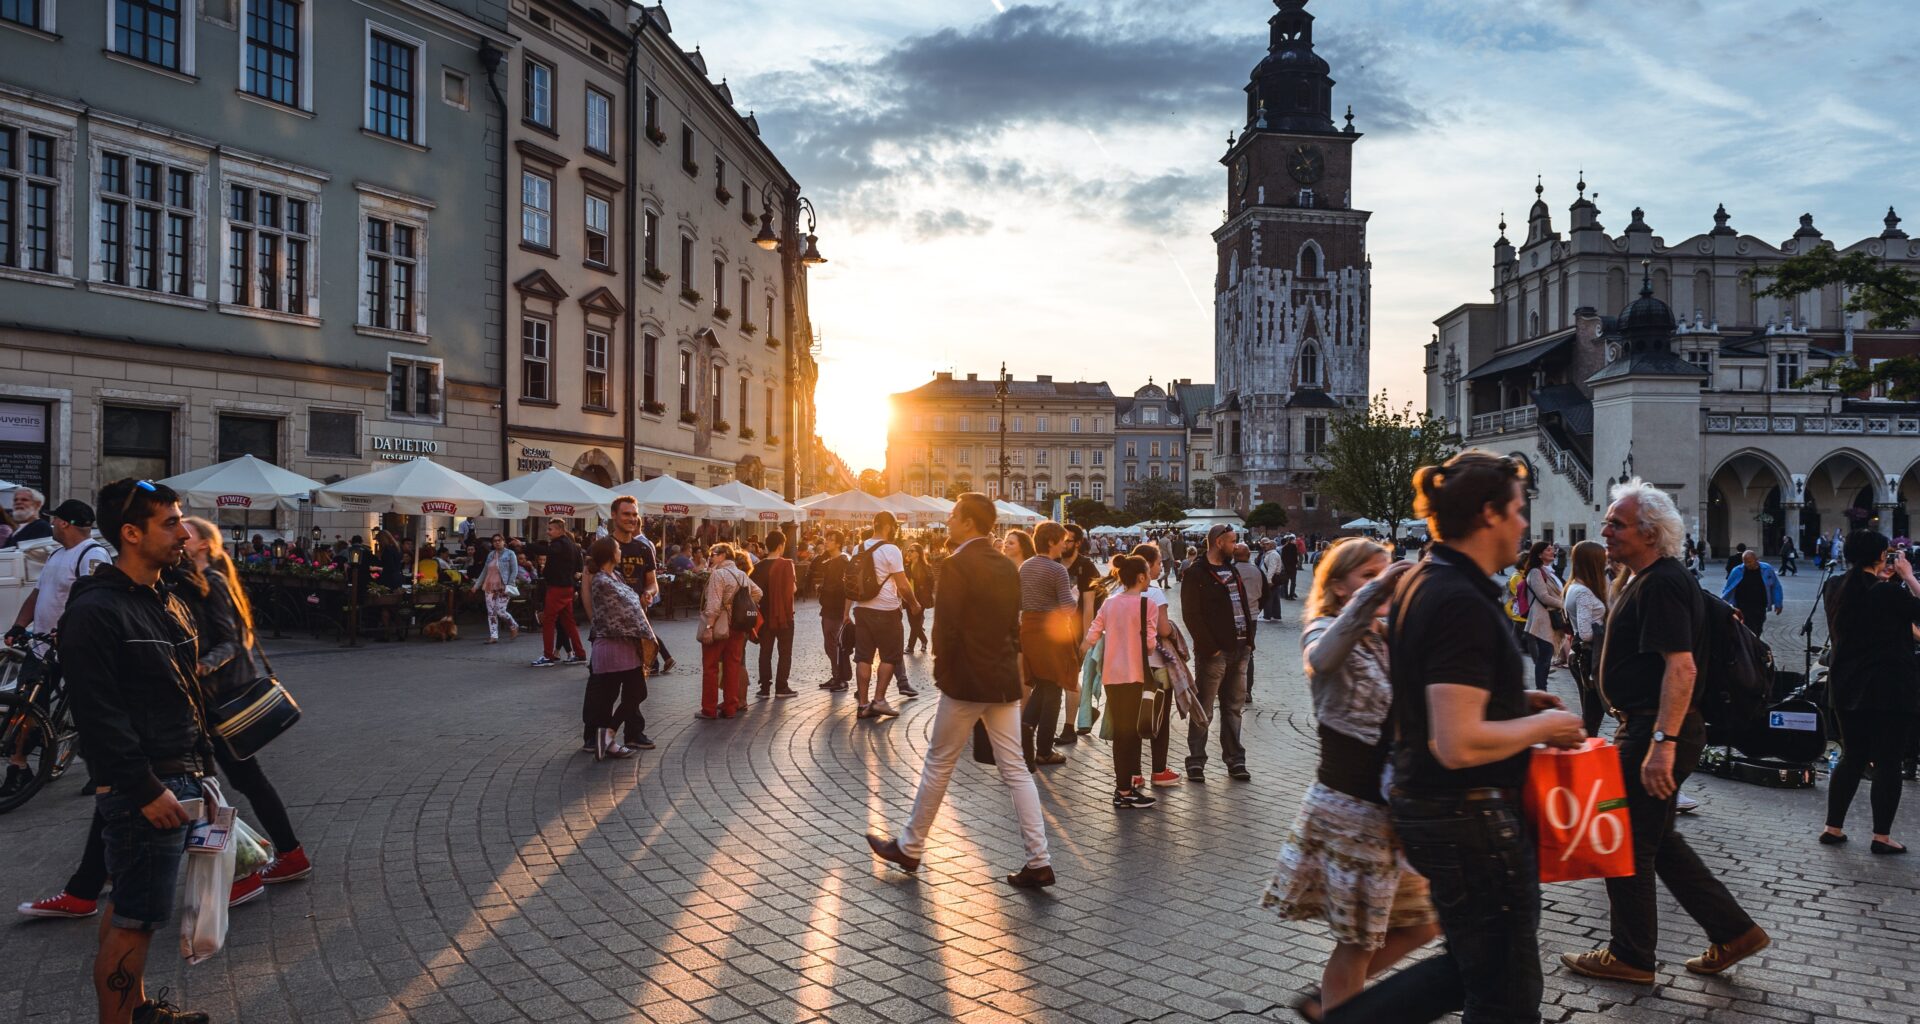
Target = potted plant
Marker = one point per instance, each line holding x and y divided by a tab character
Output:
773	440
721	426
746	433
772	342
747	327
688	416
722	313
656	135
720	192
656	275
746	214
690	295
653	408
690	167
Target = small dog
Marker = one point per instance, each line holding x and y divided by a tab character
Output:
442	629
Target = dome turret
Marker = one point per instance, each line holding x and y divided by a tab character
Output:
1291	90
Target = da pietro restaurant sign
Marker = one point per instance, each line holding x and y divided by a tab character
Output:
401	449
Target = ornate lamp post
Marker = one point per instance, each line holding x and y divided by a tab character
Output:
1000	391
794	257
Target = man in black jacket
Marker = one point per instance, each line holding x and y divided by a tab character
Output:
829	573
1218	612
129	652
976	623
559	570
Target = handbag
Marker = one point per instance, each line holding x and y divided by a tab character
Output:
252	718
1556	617
1577	800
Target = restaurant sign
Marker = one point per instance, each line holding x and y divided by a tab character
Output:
565	511
532	460
233	501
439	508
402	449
674	510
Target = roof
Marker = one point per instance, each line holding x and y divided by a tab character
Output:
1567	401
1754	346
1312	398
1656	364
1195	400
1514	359
945	386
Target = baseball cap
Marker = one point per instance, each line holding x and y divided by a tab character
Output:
74	511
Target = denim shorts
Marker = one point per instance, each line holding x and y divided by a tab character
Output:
144	862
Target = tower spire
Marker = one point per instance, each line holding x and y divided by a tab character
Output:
1291	86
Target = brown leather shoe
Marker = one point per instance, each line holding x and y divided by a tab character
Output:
1600	963
1031	878
1722	955
889	851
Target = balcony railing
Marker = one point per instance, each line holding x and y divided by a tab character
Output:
1505	421
1566	464
1885	424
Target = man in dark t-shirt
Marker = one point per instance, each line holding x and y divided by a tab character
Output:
1649	662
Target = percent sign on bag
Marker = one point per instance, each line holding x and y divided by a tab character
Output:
1583	822
1578	802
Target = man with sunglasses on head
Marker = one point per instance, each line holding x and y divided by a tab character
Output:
129	652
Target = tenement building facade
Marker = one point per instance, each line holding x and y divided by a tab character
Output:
1609	355
245	227
1149	441
945	437
1292	298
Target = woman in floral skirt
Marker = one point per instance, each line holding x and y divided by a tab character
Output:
1341	862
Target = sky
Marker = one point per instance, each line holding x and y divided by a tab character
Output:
1036	183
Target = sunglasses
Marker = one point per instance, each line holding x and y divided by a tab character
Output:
138	486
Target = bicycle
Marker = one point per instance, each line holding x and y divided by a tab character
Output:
35	720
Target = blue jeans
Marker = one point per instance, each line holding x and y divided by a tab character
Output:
143	861
1478	856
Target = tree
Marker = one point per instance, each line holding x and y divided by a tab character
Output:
1202	490
1889	295
1090	513
1156	498
872	482
1371	456
1267	515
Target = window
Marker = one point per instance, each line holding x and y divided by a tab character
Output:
720	180
745	414
453	88
1133	449
1316	431
686	150
391	88
768	432
536	95
22	12
1786	370
746	285
939	424
1073	489
1099	456
599	216
536	359
1130	472
649	368
1173	449
1019	425
1309	259
146	223
413	388
1040	424
1310	365
963	456
1073	457
1073	425
269	249
769	318
1702	360
939	456
1039	490
1099	424
1150	415
599	121
966	423
1019	488
652	107
333	434
716	397
596	359
273	43
1153	449
650	241
150	31
686	262
1153	470
1309	501
536	210
1040	457
248	435
136	442
1173	471
719	285
394	252
993	424
686	384
29	186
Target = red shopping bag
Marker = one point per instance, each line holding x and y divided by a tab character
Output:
1577	800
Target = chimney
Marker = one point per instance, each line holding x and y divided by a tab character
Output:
943	376
1184	381
1045	378
973	376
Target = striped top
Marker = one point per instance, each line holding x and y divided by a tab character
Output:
1045	586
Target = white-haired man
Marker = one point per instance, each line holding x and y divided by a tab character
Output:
28	523
1647	673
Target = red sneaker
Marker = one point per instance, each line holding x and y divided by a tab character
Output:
287	867
1166	778
246	890
62	905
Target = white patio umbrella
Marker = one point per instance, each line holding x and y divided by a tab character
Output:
1363	524
420	487
1016	515
811	498
672	496
847	506
8	485
912	510
242	483
555	492
758	505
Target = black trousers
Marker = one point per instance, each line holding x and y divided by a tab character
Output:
1039	717
770	637
1123	710
1659	851
1869	737
612	701
917	628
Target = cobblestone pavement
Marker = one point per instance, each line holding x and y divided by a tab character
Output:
473	864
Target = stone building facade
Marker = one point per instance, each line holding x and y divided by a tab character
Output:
1541	372
1149	441
1293	299
944	437
247	227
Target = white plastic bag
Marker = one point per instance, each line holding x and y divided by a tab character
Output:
203	919
252	851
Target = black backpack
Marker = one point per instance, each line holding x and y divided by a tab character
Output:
744	616
866	582
1734	684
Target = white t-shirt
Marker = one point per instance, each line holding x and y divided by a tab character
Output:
1159	599
886	562
57	577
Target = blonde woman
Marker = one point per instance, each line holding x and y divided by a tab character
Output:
723	650
1341	861
1586	601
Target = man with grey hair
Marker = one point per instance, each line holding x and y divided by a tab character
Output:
1648	665
28	523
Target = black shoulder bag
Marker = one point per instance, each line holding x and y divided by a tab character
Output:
253	717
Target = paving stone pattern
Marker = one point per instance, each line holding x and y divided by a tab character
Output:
472	864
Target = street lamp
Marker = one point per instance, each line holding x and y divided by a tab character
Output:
1000	391
769	239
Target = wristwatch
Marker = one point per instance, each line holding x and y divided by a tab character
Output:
1660	736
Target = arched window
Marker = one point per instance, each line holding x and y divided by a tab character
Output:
1533	323
1703	295
1233	268
1310	365
1616	290
1309	260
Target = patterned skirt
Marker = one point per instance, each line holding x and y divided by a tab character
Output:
1341	863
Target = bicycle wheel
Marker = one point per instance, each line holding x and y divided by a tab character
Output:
25	729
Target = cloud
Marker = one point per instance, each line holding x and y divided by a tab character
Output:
931	224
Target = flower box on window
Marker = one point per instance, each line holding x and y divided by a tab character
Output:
653	408
746	433
690	295
690	167
688	417
721	426
722	313
772	342
723	195
656	275
746	214
748	327
657	135
773	439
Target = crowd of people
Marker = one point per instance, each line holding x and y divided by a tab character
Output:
1416	671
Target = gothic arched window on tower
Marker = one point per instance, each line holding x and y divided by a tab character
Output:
1233	268
1533	323
1309	261
1310	365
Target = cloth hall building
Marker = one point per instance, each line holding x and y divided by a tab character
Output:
1693	385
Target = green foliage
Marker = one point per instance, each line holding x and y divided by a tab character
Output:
1090	513
1889	295
1155	499
1201	488
872	482
1371	456
1267	514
